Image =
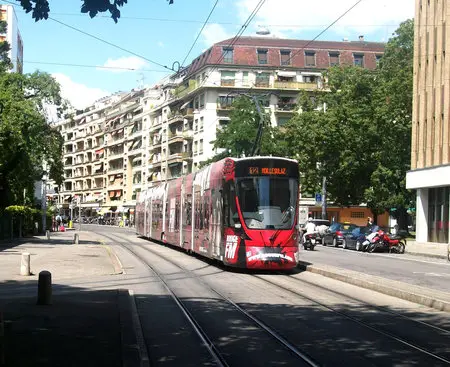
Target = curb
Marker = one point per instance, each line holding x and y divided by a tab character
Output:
422	254
117	264
428	301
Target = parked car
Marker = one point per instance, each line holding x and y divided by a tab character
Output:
321	226
335	234
355	238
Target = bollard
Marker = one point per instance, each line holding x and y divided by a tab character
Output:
25	264
45	288
47	233
75	239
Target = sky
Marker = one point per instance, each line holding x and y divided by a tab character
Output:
154	31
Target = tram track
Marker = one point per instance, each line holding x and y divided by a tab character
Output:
369	305
212	348
358	321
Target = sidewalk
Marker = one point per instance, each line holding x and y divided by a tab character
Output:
409	292
82	327
430	249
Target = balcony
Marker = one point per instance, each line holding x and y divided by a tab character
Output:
115	169
156	164
187	156
176	116
188	134
175	158
188	113
184	90
286	107
177	137
227	83
295	85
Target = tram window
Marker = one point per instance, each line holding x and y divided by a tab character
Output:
229	204
177	214
187	220
206	212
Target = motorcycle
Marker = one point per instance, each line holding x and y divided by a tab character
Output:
383	241
310	240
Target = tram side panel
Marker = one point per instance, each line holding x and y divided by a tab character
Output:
148	213
187	213
216	224
202	203
173	212
157	214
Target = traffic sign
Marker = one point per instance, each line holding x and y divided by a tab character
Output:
318	198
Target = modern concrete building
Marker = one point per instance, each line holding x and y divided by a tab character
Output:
430	153
12	36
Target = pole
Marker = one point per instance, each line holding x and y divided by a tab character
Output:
79	211
44	206
324	197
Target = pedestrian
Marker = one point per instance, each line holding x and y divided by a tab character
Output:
369	222
58	222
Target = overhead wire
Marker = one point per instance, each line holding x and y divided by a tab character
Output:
93	66
199	33
103	41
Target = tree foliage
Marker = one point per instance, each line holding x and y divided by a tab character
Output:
361	142
40	9
238	136
26	139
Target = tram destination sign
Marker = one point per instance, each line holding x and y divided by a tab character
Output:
267	167
262	171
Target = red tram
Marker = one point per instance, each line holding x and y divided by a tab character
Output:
242	212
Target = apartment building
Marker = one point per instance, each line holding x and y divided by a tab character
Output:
197	100
12	36
430	145
105	153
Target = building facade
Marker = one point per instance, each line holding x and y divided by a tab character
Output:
13	37
430	151
132	141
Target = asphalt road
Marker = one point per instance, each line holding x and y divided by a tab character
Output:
417	270
333	323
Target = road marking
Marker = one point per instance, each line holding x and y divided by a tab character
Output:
432	274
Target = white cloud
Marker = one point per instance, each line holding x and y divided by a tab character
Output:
124	63
79	95
160	43
367	17
213	33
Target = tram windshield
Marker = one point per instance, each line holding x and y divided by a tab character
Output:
268	202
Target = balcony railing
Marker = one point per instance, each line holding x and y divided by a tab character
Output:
188	113
294	85
227	83
175	157
184	90
286	106
187	156
175	117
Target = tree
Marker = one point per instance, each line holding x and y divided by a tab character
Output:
394	115
239	135
26	139
5	62
40	9
362	142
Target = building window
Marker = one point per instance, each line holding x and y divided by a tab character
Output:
245	79
227	54
200	128
310	58
227	78
357	214
195	147
438	214
310	78
358	60
334	58
262	57
200	151
202	100
283	121
262	80
225	101
285	57
378	58
195	124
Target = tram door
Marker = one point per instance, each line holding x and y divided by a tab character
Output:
187	214
216	221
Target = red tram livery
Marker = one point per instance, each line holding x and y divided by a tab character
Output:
242	212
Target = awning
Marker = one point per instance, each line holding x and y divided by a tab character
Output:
288	74
112	178
100	151
90	205
185	105
118	193
82	120
112	194
137	159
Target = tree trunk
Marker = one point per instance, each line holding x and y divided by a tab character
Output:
20	226
12	227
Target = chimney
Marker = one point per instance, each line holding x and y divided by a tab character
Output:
361	38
